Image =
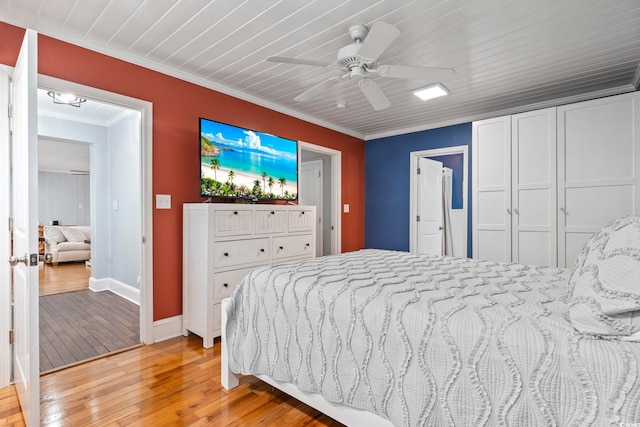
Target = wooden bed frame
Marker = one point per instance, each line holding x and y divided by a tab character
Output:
345	414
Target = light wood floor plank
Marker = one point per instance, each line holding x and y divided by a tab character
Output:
175	382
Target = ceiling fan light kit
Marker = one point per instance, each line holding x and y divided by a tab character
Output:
358	61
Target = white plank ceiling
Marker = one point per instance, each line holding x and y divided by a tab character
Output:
509	55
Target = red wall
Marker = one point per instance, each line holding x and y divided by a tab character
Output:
177	105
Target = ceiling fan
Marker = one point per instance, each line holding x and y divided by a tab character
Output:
358	61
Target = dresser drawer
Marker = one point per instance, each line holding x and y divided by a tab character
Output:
232	223
225	283
239	252
271	222
301	220
292	246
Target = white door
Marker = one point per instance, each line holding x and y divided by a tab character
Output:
311	193
491	181
598	172
24	193
533	180
430	207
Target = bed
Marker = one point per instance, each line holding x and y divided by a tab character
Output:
379	337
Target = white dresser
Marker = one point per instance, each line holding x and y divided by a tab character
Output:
223	242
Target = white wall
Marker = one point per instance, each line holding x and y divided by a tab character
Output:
63	197
124	183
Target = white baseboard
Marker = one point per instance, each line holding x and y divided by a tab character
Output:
165	329
123	290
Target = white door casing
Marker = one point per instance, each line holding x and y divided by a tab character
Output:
311	194
150	332
430	207
414	195
336	191
25	238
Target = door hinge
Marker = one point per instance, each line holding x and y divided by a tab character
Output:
319	174
418	171
418	218
10	336
144	240
10	224
10	110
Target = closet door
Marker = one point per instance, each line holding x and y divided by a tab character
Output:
491	169
598	164
533	180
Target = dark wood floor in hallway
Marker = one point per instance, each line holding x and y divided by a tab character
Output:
80	325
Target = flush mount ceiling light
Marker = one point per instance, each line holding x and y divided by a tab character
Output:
430	92
66	98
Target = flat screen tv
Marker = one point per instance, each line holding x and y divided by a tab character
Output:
242	163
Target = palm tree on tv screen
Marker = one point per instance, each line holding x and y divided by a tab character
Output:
215	165
264	176
271	182
231	175
282	180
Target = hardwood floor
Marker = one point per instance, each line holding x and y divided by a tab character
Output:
80	325
64	277
175	382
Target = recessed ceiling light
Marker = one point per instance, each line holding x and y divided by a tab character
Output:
430	92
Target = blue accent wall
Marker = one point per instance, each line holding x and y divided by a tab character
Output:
386	218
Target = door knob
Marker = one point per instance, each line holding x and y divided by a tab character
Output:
14	260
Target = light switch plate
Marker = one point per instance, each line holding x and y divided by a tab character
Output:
346	208
163	201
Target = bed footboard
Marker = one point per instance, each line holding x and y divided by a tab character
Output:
228	378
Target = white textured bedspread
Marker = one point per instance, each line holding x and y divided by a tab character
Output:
432	341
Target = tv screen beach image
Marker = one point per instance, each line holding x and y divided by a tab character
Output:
236	162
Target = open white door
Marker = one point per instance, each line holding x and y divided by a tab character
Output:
24	189
311	194
430	207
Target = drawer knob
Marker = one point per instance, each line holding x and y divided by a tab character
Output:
235	212
226	285
281	247
302	213
306	244
261	250
226	254
273	213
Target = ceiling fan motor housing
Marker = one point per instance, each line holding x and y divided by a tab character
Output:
349	59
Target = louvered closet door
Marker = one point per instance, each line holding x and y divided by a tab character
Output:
491	160
533	197
598	165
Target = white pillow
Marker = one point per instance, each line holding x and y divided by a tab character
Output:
73	234
605	285
54	232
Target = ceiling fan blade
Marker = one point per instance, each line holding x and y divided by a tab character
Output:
317	89
416	73
298	61
380	36
374	94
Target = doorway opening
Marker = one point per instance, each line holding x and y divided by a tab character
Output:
459	217
321	186
89	210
